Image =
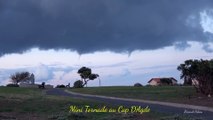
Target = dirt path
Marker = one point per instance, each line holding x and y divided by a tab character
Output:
207	115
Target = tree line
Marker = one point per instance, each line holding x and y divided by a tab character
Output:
84	72
198	73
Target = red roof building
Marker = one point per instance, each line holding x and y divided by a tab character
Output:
162	81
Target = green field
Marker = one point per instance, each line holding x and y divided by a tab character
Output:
178	94
34	104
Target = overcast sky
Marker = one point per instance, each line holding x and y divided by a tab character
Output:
124	41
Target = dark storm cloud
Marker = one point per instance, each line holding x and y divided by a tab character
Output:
96	25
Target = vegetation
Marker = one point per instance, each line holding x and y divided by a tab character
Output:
60	86
165	93
138	85
34	104
78	84
42	86
177	94
29	103
12	85
199	73
87	75
21	77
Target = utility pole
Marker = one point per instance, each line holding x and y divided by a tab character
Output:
99	81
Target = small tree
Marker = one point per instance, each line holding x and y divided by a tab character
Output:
138	85
86	75
20	77
78	84
60	86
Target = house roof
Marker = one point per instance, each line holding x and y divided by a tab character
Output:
158	79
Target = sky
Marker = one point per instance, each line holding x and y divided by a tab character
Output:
123	41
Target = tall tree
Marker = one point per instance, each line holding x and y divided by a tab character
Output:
186	72
86	75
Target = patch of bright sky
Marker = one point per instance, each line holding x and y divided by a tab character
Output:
111	66
207	20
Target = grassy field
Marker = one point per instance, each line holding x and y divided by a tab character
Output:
178	94
34	104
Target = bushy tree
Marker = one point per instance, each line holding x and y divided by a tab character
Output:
200	73
138	85
60	86
20	77
78	84
12	85
86	75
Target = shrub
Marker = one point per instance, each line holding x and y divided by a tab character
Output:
12	85
60	86
137	85
148	85
78	84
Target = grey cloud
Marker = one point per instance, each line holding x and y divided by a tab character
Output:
207	48
182	45
98	25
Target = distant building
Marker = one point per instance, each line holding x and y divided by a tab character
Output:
162	81
32	79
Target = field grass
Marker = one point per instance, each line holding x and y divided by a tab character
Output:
178	94
34	104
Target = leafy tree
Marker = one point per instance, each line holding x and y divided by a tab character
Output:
200	73
138	85
87	75
60	86
186	72
78	84
20	77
